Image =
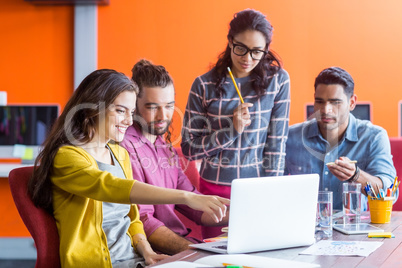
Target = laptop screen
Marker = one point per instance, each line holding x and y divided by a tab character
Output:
270	213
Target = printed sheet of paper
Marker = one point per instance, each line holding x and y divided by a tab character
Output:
342	248
182	264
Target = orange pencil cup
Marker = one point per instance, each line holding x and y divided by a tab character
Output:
380	210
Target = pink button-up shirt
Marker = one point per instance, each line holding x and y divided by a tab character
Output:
154	164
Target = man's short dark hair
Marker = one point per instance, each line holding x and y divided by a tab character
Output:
336	76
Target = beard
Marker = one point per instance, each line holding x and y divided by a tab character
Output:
158	130
150	127
327	126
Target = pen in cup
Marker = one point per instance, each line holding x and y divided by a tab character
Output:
367	189
394	184
382	194
389	192
371	191
396	187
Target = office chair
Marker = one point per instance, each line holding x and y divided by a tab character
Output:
40	224
189	168
396	151
191	171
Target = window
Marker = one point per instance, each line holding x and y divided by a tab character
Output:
26	124
361	111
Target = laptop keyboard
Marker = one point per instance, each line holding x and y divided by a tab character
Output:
221	247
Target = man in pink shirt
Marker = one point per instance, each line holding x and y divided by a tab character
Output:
155	161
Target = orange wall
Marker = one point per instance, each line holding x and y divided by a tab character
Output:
362	36
36	52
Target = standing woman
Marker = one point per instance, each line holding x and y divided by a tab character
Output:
234	139
85	180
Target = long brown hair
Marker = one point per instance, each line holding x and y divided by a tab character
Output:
77	125
242	21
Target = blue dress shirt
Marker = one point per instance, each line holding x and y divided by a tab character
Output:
308	152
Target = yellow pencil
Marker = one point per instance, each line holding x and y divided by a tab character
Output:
396	187
234	82
393	186
228	264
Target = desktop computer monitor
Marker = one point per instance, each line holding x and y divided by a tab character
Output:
361	111
26	124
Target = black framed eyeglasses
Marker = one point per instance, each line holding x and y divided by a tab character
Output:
241	50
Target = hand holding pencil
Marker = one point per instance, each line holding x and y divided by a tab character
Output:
241	115
343	168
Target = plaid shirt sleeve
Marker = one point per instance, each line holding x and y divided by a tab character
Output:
198	140
274	150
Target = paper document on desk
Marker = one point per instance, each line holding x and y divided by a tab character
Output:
222	260
182	264
342	248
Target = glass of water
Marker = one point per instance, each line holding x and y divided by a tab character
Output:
324	214
351	203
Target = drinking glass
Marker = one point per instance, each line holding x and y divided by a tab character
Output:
324	214
351	203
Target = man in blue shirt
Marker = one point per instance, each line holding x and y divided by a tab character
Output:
335	135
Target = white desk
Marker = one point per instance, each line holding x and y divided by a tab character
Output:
6	168
6	151
388	255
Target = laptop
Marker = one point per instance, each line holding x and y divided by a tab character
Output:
269	213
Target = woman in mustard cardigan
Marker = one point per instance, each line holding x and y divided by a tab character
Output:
84	179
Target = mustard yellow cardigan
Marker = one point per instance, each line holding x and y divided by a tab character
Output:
79	188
